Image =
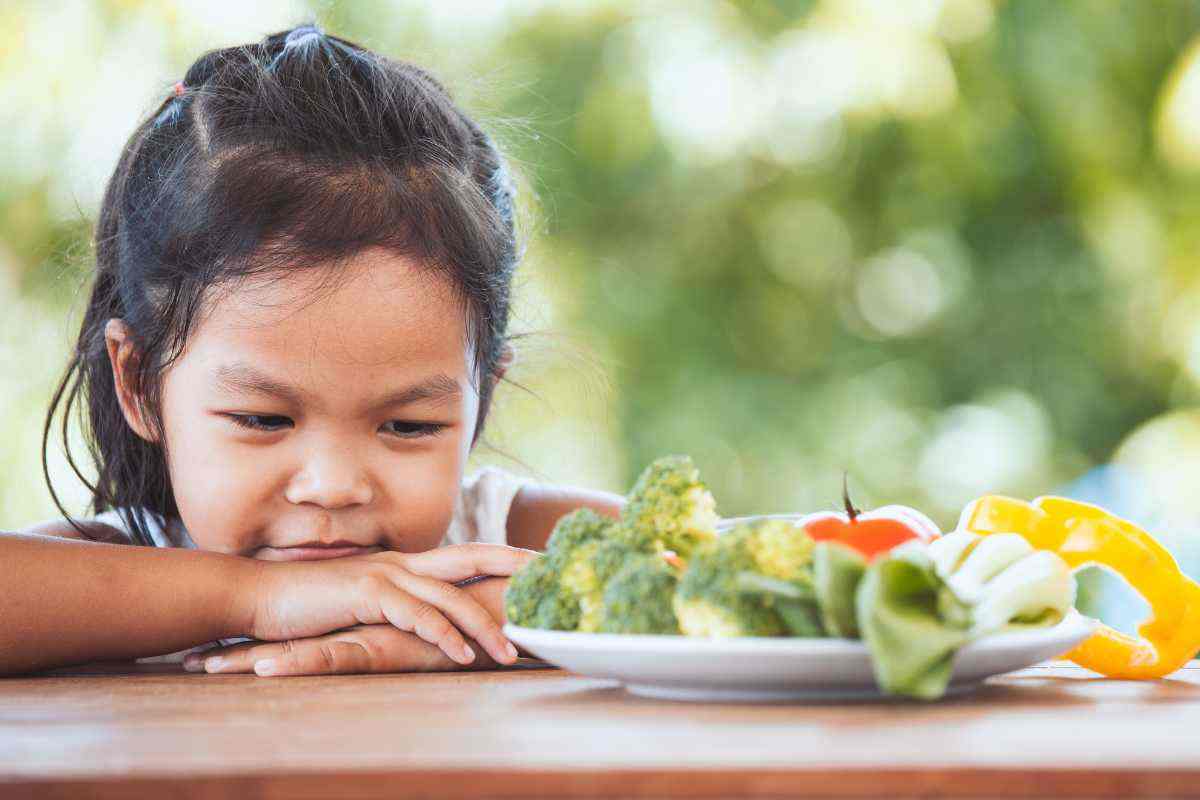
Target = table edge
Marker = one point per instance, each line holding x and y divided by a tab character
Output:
1104	782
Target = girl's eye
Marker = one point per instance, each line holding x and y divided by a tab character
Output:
261	422
413	430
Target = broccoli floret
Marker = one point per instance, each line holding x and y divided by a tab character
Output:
572	547
575	529
639	598
550	592
780	550
715	599
671	505
638	539
535	599
525	590
558	611
583	553
586	573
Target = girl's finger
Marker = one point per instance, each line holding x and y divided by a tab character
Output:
366	648
386	649
468	615
408	612
239	658
461	561
323	655
293	657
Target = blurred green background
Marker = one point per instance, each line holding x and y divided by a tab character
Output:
949	246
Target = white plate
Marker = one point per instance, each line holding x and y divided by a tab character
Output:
775	668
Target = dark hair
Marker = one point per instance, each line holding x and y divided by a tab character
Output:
302	149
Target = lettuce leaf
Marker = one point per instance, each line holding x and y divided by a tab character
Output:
837	570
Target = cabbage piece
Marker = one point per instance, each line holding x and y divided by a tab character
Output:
837	571
912	641
920	603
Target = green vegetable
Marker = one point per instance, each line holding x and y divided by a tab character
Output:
837	571
795	602
670	505
561	590
726	590
639	598
535	599
919	604
576	529
905	625
587	571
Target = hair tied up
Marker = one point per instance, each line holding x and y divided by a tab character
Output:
170	114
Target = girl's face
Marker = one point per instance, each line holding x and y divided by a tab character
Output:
316	422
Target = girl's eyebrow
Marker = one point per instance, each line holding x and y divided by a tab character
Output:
438	389
242	377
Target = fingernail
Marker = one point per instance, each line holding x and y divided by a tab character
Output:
214	664
468	653
512	651
193	664
265	667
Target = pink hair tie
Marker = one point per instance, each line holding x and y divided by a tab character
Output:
178	88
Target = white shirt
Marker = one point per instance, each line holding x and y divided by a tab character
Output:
480	515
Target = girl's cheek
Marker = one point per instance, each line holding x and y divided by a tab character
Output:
221	487
421	493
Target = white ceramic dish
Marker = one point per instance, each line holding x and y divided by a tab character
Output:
777	668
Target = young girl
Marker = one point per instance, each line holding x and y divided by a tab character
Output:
297	324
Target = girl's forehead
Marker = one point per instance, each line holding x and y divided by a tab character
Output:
377	309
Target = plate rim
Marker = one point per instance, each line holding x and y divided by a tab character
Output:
768	645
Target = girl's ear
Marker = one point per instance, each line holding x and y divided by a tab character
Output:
123	357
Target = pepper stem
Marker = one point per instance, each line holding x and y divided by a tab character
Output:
851	511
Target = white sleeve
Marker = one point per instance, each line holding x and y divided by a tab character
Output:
162	533
114	520
481	509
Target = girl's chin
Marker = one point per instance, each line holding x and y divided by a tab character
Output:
311	553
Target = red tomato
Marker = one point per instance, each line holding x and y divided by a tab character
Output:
874	532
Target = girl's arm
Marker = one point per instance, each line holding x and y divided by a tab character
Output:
68	601
537	507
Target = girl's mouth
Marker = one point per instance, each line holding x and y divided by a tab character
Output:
313	553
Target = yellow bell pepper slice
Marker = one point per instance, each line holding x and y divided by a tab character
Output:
1083	535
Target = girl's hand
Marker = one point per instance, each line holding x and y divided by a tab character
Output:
365	648
412	592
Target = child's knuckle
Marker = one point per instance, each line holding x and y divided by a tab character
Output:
373	650
327	657
441	631
426	614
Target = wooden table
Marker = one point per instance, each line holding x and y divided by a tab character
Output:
1047	731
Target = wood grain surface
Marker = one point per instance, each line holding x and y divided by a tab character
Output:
145	731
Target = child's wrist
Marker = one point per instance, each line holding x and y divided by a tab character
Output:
243	607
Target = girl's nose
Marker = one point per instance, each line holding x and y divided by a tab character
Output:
330	479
